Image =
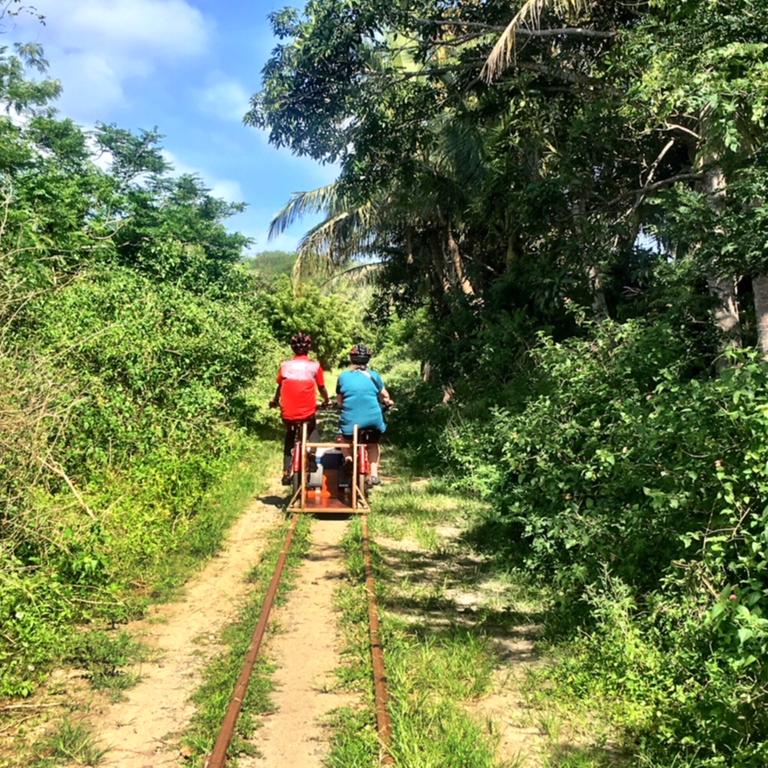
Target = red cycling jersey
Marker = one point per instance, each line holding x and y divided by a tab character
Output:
297	379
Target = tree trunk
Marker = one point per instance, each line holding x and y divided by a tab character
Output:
455	264
760	292
593	272
597	288
441	279
726	313
722	287
409	258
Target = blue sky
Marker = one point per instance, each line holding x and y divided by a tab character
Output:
187	67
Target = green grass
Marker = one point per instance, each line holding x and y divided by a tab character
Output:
438	659
412	510
431	674
586	726
90	638
72	743
213	696
105	653
140	551
205	534
106	657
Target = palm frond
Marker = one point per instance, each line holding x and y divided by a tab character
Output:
301	203
530	14
335	242
460	149
359	274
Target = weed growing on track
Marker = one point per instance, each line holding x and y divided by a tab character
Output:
106	656
71	743
213	695
431	672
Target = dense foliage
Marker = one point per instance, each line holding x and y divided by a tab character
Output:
334	320
636	490
136	358
568	208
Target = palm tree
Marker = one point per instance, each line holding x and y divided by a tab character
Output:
529	15
417	219
345	235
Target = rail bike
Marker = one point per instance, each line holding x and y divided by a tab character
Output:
323	480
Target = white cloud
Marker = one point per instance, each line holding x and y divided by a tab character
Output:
226	99
102	158
90	78
227	189
97	46
162	28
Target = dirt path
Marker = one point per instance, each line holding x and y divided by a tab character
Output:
306	652
140	731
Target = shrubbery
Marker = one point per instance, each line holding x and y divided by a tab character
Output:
136	358
121	399
635	483
334	321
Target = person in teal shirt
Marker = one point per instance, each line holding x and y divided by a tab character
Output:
361	394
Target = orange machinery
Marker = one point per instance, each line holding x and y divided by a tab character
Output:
330	489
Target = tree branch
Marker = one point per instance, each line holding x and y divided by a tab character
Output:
559	32
676	127
648	188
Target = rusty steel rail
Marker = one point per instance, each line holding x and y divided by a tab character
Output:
380	689
218	757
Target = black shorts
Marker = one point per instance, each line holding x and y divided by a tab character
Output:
366	435
293	431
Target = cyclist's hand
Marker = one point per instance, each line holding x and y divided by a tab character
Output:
274	404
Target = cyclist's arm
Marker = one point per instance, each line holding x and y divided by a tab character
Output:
321	388
275	401
384	395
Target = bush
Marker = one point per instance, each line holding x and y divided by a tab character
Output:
335	323
628	465
119	406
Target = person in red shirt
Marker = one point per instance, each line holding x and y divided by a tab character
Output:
295	394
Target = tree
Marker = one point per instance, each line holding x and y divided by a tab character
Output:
601	117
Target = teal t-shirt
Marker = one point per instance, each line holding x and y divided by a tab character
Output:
360	390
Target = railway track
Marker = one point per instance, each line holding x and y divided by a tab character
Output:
218	756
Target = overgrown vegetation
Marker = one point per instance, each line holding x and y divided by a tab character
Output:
431	676
137	356
565	203
562	207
